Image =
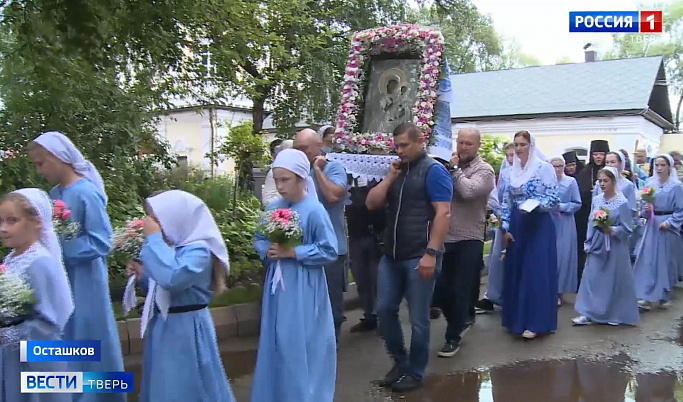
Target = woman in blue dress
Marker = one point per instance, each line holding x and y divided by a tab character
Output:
36	259
607	293
494	286
565	229
626	187
530	290
656	267
184	262
81	188
297	356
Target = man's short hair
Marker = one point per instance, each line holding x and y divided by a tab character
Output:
413	131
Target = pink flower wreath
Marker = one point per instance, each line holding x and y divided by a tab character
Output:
394	38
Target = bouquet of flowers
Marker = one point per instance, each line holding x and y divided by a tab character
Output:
601	219
16	298
648	195
61	221
492	221
128	240
281	226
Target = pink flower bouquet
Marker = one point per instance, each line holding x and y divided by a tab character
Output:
282	226
61	220
601	218
493	221
648	195
128	240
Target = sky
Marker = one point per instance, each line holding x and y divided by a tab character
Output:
541	27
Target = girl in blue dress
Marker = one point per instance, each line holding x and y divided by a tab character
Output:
530	290
627	188
184	261
36	258
656	267
565	228
81	188
607	293
297	356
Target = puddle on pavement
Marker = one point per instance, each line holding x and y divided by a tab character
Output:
236	364
575	380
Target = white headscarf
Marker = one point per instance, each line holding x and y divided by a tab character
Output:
185	219
673	175
614	171
321	130
520	175
296	162
60	146
64	304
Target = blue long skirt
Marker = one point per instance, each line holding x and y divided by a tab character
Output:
494	290
530	290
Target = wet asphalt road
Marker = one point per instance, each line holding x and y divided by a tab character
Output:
593	363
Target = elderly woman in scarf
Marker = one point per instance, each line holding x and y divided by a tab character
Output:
79	185
297	354
658	258
184	263
530	289
36	258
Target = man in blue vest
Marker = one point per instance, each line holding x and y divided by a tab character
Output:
416	193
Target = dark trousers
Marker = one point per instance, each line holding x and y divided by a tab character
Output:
455	287
365	255
336	283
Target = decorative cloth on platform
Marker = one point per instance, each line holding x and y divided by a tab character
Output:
368	167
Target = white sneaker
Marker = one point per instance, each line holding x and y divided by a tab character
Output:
664	304
644	305
581	320
614	324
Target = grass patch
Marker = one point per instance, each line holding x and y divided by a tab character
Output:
230	297
487	247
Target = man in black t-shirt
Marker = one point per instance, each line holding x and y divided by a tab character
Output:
365	230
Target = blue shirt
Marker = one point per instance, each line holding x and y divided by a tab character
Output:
336	173
439	184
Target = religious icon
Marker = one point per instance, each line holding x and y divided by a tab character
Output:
391	96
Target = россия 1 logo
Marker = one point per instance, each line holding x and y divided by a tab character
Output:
615	21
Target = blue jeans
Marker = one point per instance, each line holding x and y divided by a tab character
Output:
399	279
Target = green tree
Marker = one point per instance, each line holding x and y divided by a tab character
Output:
471	42
669	45
291	55
493	150
513	57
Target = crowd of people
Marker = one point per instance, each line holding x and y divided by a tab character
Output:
558	228
610	230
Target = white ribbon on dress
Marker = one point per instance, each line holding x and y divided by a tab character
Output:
277	278
157	295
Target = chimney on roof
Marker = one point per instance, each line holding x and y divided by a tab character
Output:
589	53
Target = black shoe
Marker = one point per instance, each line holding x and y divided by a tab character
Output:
484	306
449	349
406	383
434	313
392	376
364	326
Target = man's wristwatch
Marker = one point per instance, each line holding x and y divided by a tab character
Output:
434	252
